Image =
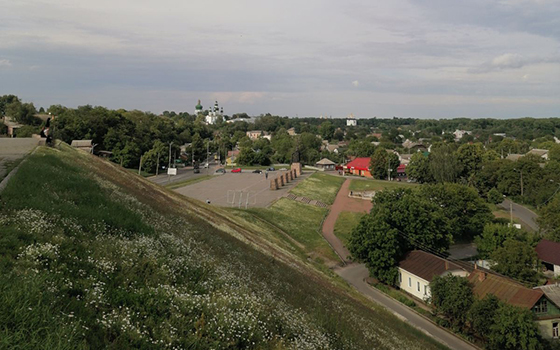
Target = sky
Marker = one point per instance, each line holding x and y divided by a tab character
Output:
404	58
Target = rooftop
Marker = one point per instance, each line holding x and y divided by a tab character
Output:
504	289
548	251
552	292
426	265
361	163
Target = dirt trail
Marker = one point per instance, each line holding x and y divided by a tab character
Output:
343	203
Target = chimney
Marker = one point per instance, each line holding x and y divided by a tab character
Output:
482	276
446	265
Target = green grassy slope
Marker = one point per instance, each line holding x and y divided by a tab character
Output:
319	186
345	223
376	185
94	257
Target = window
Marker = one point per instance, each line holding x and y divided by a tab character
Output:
409	282
555	330
400	277
541	307
425	289
418	285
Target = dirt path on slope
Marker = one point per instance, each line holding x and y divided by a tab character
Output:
343	203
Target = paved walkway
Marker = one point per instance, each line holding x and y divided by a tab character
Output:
343	203
355	274
12	149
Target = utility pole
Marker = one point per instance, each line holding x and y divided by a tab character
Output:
169	166
157	164
521	175
511	213
140	167
208	156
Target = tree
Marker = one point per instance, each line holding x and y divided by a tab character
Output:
360	148
23	113
327	130
378	245
549	219
197	146
513	329
383	161
400	221
494	196
518	260
493	237
470	157
467	212
444	165
419	168
554	153
482	313
452	297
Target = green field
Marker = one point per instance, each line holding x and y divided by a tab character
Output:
345	223
376	185
92	257
319	186
302	222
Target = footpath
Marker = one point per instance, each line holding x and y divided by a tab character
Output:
356	274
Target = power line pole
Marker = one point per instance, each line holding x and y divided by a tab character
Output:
157	165
140	167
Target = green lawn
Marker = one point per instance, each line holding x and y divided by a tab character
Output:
319	186
345	223
376	185
302	222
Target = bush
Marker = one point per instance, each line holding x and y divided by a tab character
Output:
494	196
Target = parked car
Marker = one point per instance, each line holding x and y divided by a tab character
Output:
257	171
271	169
196	170
205	165
236	170
220	171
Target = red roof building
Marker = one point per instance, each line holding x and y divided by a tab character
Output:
549	254
359	166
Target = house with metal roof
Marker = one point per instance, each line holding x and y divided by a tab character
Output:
417	270
549	324
359	166
325	164
549	253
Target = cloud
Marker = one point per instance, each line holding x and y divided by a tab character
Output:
511	61
356	83
5	63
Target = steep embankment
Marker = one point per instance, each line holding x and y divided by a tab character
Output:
94	257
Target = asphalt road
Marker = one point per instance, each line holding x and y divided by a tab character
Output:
12	149
529	217
355	274
182	175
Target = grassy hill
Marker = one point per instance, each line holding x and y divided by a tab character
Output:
93	257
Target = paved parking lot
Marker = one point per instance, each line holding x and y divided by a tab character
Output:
12	149
238	189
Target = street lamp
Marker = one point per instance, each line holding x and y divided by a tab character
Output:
169	165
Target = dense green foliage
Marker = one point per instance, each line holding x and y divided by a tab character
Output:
452	297
499	325
426	217
518	260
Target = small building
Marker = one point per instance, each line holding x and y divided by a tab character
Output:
417	270
326	164
543	153
232	156
547	313
549	253
12	126
332	148
549	327
359	166
255	134
514	157
351	121
292	132
460	133
84	145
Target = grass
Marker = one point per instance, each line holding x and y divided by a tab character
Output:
92	257
345	223
143	173
319	186
302	222
376	185
10	165
184	183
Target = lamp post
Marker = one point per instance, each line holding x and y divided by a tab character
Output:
169	165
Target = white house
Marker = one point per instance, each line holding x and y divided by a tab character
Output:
418	269
460	133
543	153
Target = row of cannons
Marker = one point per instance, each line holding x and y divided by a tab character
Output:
285	178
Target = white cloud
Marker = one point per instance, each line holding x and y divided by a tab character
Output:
5	63
356	83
